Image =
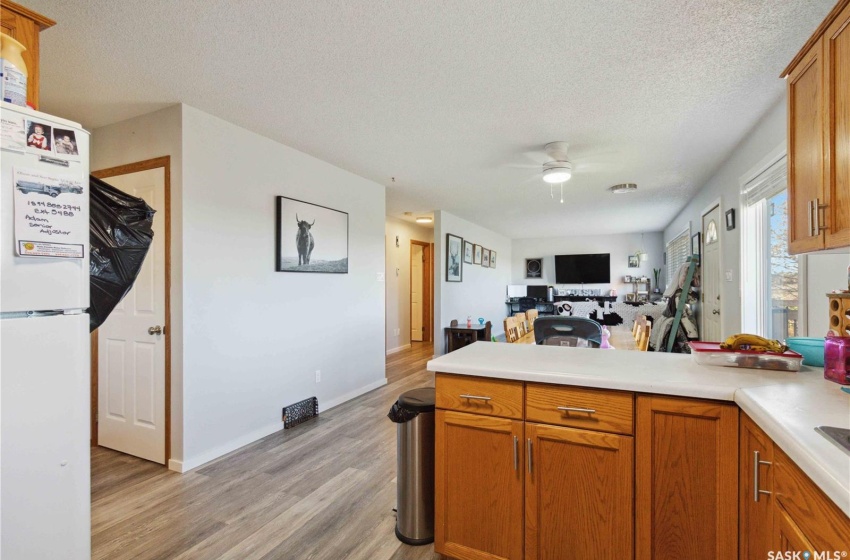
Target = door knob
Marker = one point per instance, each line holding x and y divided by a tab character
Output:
155	330
715	312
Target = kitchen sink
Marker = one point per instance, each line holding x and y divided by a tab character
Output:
838	436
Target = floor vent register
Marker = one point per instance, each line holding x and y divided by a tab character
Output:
299	412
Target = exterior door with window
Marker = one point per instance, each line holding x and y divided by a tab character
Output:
710	310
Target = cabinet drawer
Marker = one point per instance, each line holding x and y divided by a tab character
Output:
597	409
477	395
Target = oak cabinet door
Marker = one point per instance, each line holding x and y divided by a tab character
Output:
479	486
756	503
686	479
579	494
806	151
837	92
789	538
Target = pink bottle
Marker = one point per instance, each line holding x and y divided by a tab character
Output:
836	359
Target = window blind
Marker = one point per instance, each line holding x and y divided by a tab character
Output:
678	251
769	182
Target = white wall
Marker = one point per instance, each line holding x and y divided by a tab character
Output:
825	272
253	337
247	340
482	292
146	137
724	184
619	246
398	287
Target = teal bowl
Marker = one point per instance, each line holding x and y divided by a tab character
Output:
810	348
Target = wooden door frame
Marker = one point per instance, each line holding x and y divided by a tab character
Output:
720	274
163	162
427	287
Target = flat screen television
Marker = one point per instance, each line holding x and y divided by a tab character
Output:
583	269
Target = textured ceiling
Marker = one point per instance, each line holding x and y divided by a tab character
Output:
451	97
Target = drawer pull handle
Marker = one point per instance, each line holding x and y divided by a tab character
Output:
475	397
576	409
516	453
757	462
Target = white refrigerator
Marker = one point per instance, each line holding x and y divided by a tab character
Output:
44	337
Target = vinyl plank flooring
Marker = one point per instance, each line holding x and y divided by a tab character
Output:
324	490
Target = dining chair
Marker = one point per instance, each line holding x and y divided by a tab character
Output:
531	315
488	330
511	332
520	324
643	340
640	323
560	330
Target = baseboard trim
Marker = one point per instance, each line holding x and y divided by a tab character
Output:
222	450
232	445
399	349
353	394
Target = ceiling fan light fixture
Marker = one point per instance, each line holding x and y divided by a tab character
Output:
558	172
623	188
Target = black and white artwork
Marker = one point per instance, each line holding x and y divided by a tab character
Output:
311	238
485	258
454	258
492	259
467	252
476	255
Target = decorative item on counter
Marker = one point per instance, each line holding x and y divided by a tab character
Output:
481	321
656	272
754	343
711	354
811	348
469	321
839	313
14	71
836	358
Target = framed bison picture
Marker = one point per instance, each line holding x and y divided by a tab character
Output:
310	238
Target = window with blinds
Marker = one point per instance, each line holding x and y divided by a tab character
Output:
678	251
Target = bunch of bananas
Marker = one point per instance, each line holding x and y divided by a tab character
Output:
753	342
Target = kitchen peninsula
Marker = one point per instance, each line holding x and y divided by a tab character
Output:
542	449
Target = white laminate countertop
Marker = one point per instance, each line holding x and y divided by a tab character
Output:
786	405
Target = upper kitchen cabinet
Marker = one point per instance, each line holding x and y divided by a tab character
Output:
24	25
819	137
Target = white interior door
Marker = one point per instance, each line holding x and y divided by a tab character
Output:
710	309
131	360
417	260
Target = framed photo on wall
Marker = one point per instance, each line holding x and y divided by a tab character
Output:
310	238
492	259
454	258
695	243
467	252
633	261
485	258
476	254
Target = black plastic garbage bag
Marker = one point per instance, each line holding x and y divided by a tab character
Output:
400	414
121	233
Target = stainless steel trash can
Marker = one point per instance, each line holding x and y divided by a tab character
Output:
415	468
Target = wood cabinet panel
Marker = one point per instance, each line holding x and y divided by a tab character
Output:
756	521
24	25
686	479
817	517
579	494
479	487
837	132
613	410
805	149
496	397
789	538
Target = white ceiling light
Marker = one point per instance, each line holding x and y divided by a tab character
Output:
623	188
557	171
424	219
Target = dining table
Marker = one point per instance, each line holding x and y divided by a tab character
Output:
621	339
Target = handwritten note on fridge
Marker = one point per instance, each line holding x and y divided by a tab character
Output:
51	214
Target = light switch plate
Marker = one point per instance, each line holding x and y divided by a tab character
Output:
380	277
729	275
